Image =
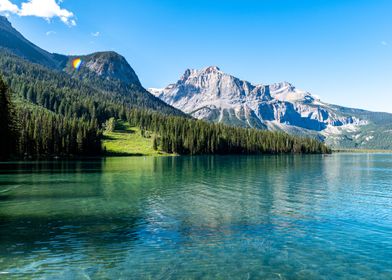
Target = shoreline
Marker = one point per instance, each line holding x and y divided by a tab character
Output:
83	158
362	151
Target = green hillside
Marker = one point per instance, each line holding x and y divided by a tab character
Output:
129	141
89	98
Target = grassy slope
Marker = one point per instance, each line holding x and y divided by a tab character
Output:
128	141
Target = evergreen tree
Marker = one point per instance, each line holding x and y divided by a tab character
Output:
155	143
6	125
188	136
58	115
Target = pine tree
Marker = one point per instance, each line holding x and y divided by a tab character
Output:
155	143
6	126
187	136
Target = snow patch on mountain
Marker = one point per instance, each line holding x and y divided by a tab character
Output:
213	95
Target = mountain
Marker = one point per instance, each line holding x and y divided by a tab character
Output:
210	94
59	105
107	65
13	41
104	79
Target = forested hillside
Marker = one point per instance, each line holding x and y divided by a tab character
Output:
49	107
43	134
31	131
7	128
91	98
189	136
54	114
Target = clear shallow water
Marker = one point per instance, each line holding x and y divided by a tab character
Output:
273	217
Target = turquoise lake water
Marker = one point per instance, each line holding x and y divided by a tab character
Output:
222	217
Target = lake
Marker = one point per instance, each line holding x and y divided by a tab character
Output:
207	217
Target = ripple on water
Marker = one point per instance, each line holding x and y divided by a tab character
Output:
283	217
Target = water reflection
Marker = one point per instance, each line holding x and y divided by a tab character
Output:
214	217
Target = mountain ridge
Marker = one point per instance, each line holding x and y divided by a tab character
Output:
104	75
212	95
104	64
107	64
14	41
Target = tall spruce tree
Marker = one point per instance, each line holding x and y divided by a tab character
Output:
6	132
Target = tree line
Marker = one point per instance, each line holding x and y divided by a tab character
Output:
53	114
188	136
44	134
7	129
28	131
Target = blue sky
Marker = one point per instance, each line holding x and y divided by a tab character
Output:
340	50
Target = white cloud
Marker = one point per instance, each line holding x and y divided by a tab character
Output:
7	6
384	43
95	34
51	32
46	9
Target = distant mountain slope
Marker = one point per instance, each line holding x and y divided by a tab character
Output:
104	82
15	43
213	95
106	65
90	98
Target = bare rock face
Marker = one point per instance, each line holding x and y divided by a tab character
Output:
106	65
213	95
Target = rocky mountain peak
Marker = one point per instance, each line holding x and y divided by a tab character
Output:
186	75
108	65
211	69
213	95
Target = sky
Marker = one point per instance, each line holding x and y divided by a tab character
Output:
339	50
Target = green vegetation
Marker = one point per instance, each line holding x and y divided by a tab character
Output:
60	115
375	135
89	98
128	141
156	134
6	123
42	133
188	136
